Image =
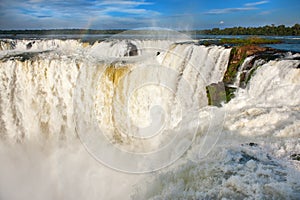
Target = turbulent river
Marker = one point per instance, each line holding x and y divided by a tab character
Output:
129	119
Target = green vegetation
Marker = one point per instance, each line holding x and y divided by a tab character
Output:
249	41
252	40
232	68
85	32
61	32
229	93
265	30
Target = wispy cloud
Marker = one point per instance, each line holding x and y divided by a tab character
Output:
256	3
246	7
229	10
75	13
35	1
126	7
128	3
44	16
78	12
77	7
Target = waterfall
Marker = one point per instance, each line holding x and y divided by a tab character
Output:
74	116
40	89
245	64
40	45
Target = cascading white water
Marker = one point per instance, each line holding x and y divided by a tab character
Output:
50	91
241	69
38	84
253	159
41	88
40	45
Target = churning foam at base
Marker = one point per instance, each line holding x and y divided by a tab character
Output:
253	159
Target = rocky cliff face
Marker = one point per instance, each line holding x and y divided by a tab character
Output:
243	62
237	57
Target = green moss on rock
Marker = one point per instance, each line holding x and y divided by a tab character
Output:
238	55
249	41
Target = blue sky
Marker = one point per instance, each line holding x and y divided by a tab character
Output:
128	14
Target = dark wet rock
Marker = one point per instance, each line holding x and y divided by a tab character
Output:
224	92
244	158
237	56
26	56
218	93
247	153
22	56
296	58
29	45
7	45
295	156
227	46
132	50
251	144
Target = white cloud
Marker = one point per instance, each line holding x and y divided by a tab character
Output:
35	1
74	13
229	10
246	7
128	3
127	7
256	3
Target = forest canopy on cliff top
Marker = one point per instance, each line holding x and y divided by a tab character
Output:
268	30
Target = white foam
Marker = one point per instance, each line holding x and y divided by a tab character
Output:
253	158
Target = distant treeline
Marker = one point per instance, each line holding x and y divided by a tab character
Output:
265	30
61	32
